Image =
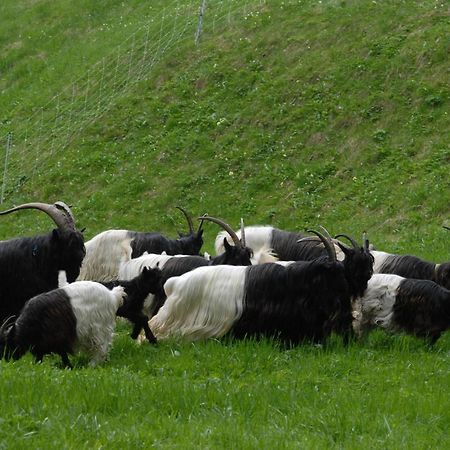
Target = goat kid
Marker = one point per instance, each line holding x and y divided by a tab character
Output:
137	290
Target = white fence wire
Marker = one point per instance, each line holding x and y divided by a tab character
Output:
26	144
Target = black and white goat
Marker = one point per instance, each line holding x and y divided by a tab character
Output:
78	316
283	245
395	303
104	251
305	300
30	265
137	290
409	266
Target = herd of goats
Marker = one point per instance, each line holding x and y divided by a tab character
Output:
59	294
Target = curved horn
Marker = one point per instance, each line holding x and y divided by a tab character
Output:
243	233
353	242
61	215
64	207
188	218
6	323
447	228
327	244
226	227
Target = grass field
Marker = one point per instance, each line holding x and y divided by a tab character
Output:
291	113
390	392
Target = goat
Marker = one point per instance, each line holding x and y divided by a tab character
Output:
30	265
104	251
395	303
283	245
304	300
409	266
137	290
80	315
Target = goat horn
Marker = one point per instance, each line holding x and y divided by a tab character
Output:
61	215
447	228
327	244
66	208
354	243
243	233
201	222
188	218
226	227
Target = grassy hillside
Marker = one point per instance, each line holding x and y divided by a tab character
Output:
294	114
291	113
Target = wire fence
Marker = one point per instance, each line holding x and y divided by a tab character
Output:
27	144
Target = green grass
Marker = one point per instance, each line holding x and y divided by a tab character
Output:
294	113
387	393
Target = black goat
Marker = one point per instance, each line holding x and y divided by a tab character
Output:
137	290
30	265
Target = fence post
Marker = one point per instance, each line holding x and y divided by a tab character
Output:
200	22
5	169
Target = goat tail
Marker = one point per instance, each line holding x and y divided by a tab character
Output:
265	255
62	279
119	295
125	245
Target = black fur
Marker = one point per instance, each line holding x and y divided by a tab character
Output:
442	275
46	325
408	266
286	247
189	244
30	266
306	300
137	289
422	308
358	269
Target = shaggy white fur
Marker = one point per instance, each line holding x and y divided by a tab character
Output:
379	258
374	308
104	254
201	304
95	309
256	239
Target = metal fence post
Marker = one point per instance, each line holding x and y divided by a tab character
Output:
198	33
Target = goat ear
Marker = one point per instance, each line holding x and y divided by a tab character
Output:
55	234
226	244
145	270
344	249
